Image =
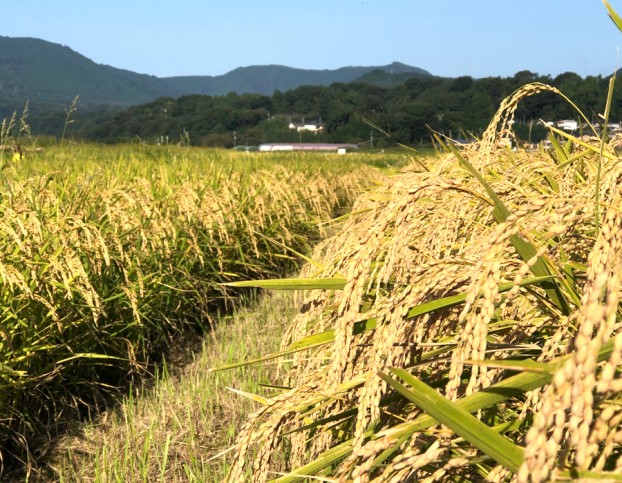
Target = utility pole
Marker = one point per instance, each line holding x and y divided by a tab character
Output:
235	139
371	139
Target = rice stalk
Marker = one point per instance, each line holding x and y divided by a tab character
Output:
474	222
106	263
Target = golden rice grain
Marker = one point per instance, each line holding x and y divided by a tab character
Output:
426	235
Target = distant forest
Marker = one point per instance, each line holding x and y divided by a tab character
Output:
407	112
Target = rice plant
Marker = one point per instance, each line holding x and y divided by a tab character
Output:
466	325
109	255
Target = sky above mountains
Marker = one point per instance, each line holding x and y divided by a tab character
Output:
446	37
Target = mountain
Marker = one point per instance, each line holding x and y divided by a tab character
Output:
388	78
265	79
52	74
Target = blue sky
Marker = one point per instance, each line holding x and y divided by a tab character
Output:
211	37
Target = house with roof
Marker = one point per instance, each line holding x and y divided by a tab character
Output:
313	127
567	124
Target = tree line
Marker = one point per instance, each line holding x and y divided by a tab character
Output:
360	113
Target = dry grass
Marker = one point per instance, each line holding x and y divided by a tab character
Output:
176	430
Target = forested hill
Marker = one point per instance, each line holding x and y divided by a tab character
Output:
261	101
346	111
49	74
265	79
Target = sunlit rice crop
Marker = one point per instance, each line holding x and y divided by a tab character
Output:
476	335
108	254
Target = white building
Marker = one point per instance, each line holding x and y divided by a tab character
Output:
303	126
335	147
568	125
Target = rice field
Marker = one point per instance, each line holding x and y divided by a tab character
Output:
465	326
461	322
110	256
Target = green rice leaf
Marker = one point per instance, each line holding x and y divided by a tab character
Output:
295	252
562	157
326	459
461	422
303	344
612	82
525	249
511	387
89	355
594	149
254	397
453	300
335	283
613	15
526	365
8	371
328	336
